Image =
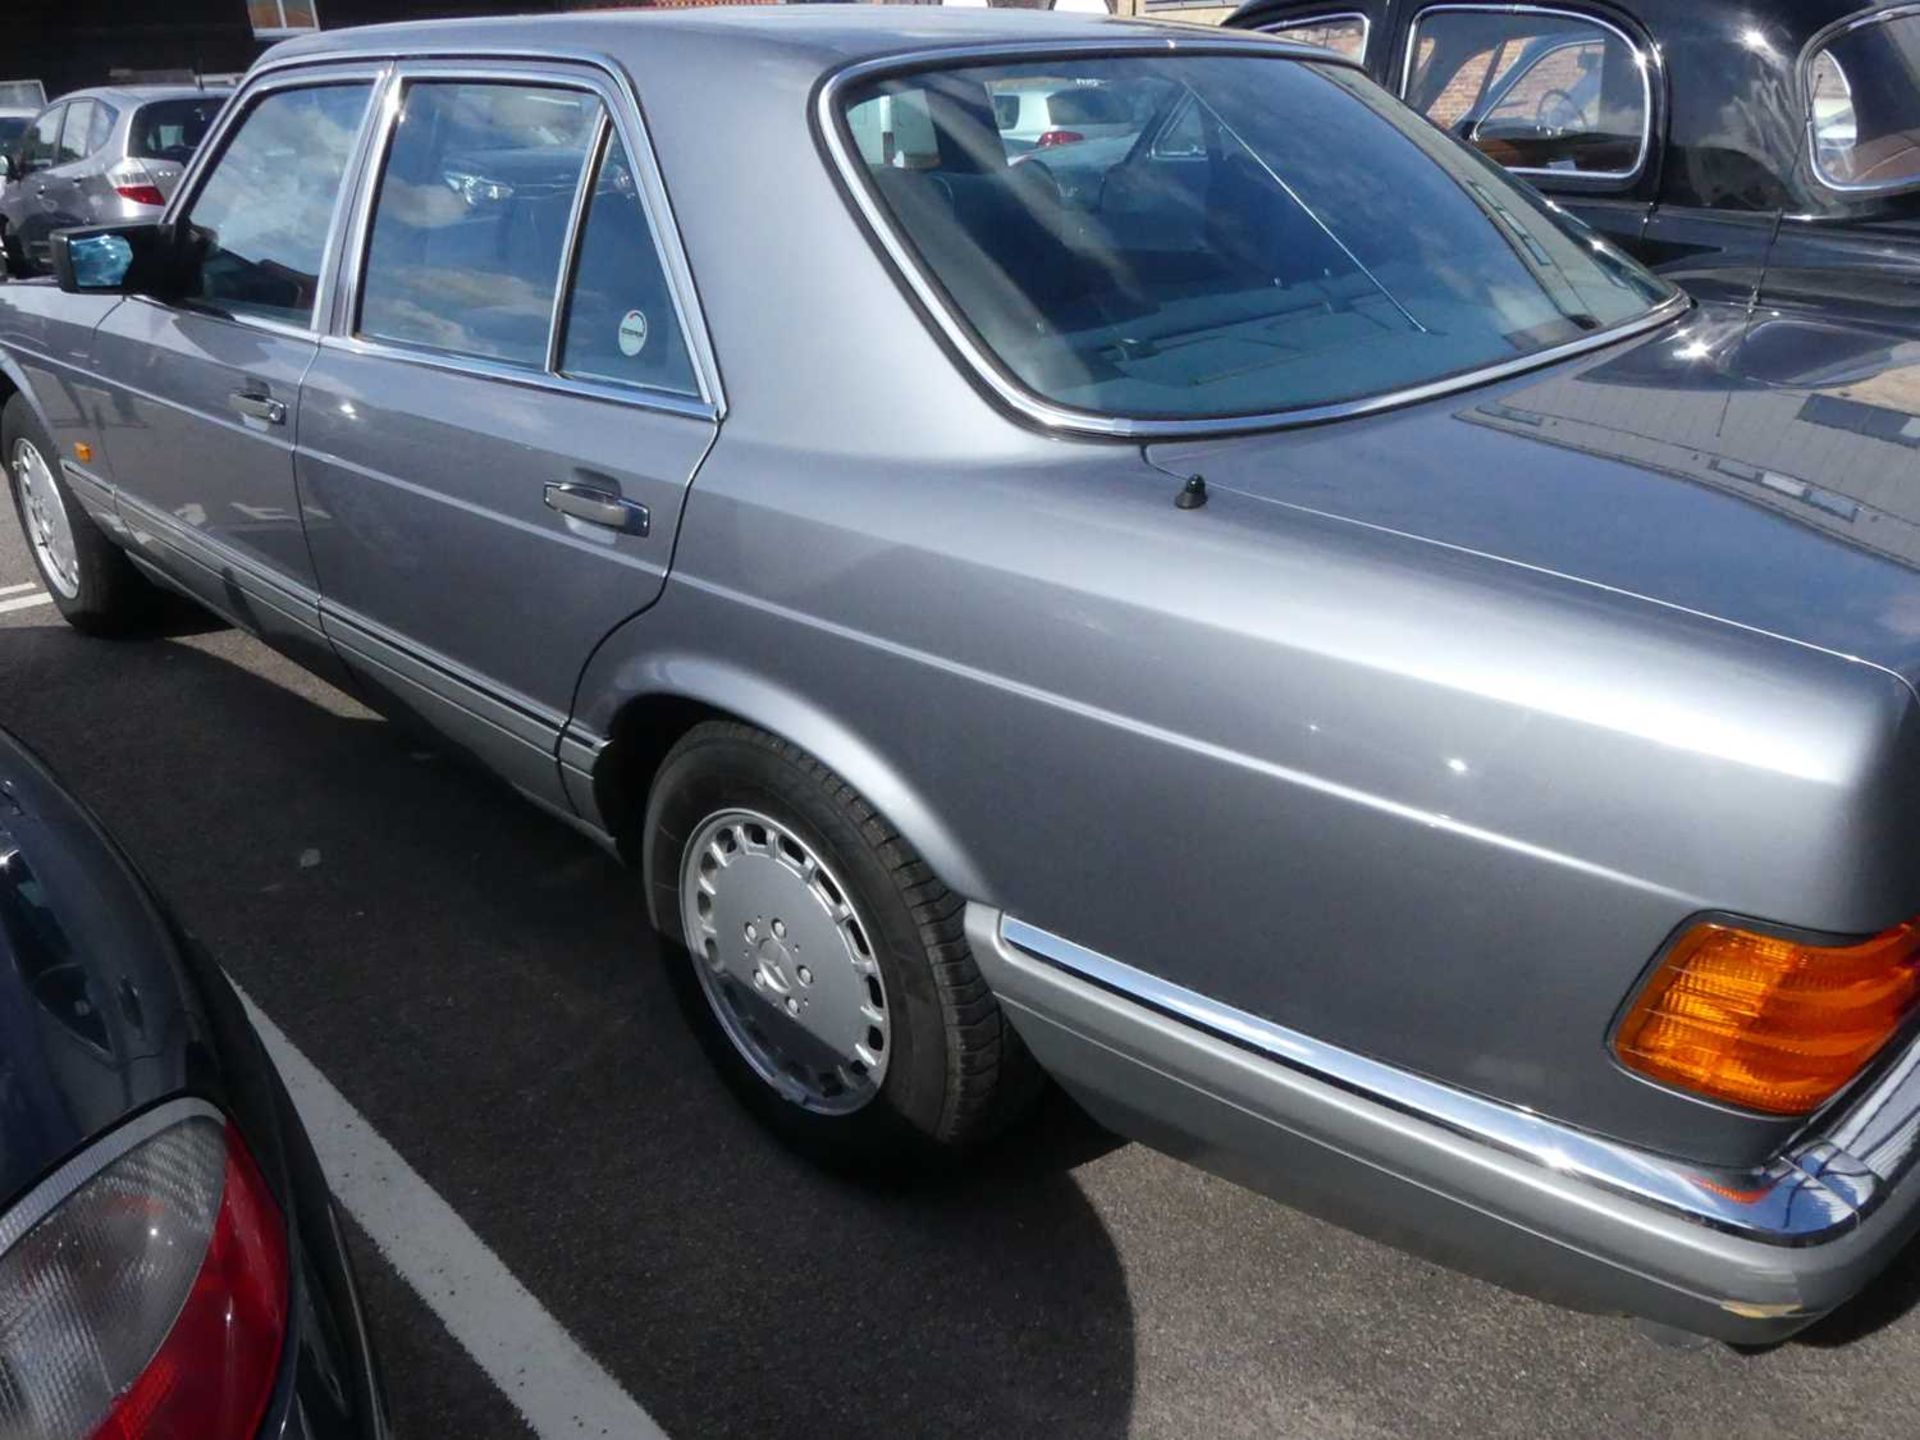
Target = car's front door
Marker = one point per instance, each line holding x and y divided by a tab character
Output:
495	446
199	416
1565	98
25	207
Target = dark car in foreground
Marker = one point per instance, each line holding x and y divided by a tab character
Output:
97	156
1371	688
1749	148
170	1263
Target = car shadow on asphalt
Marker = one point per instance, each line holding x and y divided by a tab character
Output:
481	983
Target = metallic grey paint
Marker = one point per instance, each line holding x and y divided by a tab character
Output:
1419	739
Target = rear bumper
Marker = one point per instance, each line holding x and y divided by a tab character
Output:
1748	1257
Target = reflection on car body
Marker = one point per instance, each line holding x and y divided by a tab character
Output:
1181	606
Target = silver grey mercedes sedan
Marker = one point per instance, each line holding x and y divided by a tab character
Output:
1250	613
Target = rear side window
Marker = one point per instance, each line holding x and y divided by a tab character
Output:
1863	90
1343	34
620	322
470	224
103	117
172	129
73	135
1541	92
263	216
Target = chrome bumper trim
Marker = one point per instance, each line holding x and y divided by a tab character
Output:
1819	1187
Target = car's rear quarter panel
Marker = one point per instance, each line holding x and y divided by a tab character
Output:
1407	806
1418	803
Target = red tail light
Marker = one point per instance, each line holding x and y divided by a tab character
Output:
1059	137
156	1296
141	194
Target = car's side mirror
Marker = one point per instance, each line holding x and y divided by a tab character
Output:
140	259
6	168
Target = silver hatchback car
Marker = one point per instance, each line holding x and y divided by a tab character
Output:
95	157
1288	635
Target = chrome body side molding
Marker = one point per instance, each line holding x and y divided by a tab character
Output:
1748	1256
1826	1181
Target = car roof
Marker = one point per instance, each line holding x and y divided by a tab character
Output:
141	94
814	38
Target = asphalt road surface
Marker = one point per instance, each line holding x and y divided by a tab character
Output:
481	986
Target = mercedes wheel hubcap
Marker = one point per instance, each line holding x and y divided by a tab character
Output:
49	531
786	960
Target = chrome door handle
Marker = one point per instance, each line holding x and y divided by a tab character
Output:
259	407
599	507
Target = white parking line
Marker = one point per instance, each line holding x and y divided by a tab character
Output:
16	589
25	602
560	1389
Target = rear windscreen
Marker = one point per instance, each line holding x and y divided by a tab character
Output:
173	129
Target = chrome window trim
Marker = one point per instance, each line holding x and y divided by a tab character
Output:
335	72
1016	396
51	1193
661	400
1822	1184
1296	22
570	243
1642	60
567	70
1803	84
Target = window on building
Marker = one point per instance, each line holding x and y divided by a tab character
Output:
1344	34
1539	91
263	217
471	220
277	19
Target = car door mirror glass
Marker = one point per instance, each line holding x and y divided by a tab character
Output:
139	259
99	262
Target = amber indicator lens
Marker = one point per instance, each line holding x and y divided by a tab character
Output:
1771	1024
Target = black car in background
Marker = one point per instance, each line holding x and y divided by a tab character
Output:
170	1261
1763	150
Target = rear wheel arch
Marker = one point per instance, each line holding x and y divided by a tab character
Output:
645	726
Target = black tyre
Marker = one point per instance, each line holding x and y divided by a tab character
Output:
822	963
88	576
13	254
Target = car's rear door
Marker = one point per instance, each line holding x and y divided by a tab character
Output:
61	187
495	442
198	421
